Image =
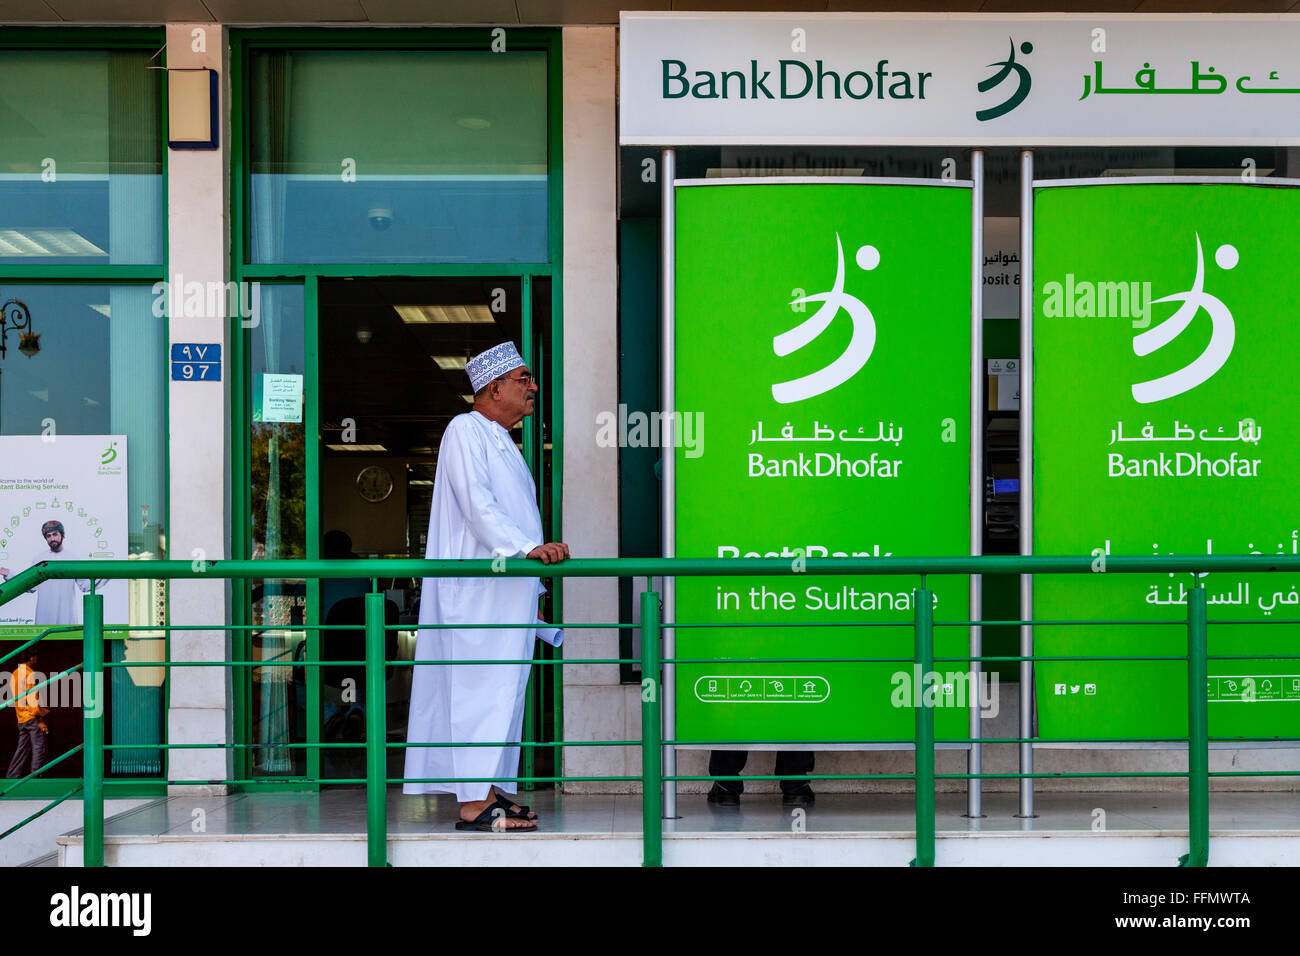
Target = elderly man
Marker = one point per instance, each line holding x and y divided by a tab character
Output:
484	506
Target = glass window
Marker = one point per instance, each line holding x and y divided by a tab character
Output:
81	163
397	156
277	466
92	362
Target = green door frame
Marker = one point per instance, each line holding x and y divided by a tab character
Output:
124	38
242	41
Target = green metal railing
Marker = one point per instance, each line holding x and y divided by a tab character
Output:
651	743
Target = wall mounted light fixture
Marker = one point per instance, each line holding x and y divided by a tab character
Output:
193	96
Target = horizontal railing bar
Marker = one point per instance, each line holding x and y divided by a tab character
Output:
640	567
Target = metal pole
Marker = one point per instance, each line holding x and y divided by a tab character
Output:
974	757
1198	732
923	635
652	823
376	735
1026	475
92	720
668	449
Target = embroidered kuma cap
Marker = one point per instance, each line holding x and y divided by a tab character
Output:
486	366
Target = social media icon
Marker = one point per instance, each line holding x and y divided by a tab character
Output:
1060	690
1090	689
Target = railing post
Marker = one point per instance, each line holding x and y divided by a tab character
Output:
1198	732
651	742
92	720
376	735
924	655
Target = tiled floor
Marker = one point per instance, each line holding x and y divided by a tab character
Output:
343	811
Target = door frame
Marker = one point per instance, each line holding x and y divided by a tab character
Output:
308	276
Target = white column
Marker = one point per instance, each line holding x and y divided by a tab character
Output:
200	426
595	705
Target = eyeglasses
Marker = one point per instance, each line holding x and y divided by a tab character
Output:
525	380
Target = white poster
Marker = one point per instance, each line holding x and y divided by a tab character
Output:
1001	267
281	398
62	498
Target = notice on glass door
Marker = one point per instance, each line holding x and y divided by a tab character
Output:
279	399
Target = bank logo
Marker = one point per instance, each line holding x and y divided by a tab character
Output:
860	345
1023	82
109	454
1223	332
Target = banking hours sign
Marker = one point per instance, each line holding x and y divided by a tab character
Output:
807	315
1166	421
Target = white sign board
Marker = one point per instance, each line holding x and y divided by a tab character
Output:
62	498
1001	267
958	79
281	398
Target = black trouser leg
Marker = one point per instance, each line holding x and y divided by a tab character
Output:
793	763
40	741
728	763
22	751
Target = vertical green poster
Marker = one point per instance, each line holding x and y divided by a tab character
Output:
823	378
1166	421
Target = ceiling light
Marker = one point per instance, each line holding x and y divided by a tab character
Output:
103	310
420	481
420	450
473	122
449	363
46	242
353	446
445	314
469	399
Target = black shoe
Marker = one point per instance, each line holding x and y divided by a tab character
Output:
799	798
723	798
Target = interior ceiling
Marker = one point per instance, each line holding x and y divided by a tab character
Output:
554	12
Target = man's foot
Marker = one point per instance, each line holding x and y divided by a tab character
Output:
489	815
723	798
803	797
513	810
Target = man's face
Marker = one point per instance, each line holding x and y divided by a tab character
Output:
518	394
54	539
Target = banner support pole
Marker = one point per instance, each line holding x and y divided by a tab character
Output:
668	459
1026	476
975	756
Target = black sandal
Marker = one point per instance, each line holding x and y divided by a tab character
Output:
492	821
523	813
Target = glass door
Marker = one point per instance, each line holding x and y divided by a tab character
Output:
391	359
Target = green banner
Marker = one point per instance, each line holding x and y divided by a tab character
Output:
1166	421
823	379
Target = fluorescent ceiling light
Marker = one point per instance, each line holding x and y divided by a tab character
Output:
445	314
449	363
473	122
46	242
420	481
761	170
420	450
353	446
469	399
1185	173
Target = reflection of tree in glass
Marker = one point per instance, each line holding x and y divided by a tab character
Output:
277	464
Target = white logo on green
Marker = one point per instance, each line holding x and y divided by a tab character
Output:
1222	334
860	345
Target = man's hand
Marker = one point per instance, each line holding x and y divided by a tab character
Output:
43	727
551	553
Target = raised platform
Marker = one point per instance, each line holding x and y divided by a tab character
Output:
328	829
